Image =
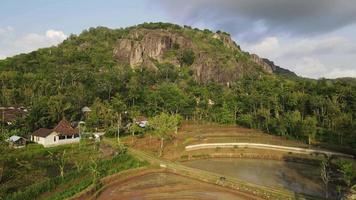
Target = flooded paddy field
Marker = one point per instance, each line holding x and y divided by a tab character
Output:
296	177
164	186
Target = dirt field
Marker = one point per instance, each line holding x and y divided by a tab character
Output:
164	186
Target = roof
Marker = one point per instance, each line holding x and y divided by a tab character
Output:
65	128
62	128
86	109
9	114
14	138
141	119
42	132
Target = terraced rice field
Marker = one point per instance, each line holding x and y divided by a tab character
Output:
164	186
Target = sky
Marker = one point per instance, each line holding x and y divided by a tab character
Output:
314	38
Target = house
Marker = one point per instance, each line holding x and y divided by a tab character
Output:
63	133
9	114
16	141
86	111
141	121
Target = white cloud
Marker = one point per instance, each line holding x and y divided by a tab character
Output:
56	35
11	44
335	73
268	46
310	67
273	46
6	30
328	56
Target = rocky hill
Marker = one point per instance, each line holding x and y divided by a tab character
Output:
214	56
158	67
210	56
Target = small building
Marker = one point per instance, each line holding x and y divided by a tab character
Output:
63	133
10	114
86	109
16	141
141	121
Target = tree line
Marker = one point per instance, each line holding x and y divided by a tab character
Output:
57	82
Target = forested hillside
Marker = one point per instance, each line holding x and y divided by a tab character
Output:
198	74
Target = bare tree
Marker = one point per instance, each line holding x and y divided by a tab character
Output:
325	174
62	163
95	172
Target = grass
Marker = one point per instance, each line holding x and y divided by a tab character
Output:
34	174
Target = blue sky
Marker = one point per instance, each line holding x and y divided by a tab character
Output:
314	38
73	16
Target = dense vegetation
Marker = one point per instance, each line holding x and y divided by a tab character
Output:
35	172
57	82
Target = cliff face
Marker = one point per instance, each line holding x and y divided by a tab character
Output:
142	45
216	56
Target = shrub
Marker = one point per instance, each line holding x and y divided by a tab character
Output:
187	57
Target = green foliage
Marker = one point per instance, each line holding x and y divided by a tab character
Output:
164	125
97	169
348	173
187	58
135	129
159	25
224	116
246	120
57	82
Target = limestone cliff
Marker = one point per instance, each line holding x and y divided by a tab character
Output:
216	56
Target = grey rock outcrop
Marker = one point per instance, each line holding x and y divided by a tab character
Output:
213	61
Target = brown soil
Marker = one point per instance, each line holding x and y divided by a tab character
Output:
164	185
106	150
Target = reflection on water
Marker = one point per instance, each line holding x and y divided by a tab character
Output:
297	177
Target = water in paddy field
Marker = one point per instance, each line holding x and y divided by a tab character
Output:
297	177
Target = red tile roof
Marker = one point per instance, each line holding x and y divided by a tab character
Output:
42	132
62	128
65	128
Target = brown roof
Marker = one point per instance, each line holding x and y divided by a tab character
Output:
62	128
42	132
140	118
9	114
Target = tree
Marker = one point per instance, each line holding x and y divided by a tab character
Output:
119	107
135	128
187	57
224	115
246	120
325	174
102	115
94	169
171	98
62	163
309	128
348	173
293	120
60	160
163	126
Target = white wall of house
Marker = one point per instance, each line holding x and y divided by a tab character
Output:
53	140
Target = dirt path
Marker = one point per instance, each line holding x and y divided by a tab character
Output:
264	146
